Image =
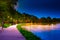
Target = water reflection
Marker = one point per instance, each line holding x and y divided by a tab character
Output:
45	32
40	28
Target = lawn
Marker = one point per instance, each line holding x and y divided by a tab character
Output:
28	35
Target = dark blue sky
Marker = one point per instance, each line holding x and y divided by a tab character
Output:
40	8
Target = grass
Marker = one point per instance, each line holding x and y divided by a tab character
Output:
6	25
28	35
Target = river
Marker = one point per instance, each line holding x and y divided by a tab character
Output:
45	32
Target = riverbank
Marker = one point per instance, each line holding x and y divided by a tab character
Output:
45	32
28	35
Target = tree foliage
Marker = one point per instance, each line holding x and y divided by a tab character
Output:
9	14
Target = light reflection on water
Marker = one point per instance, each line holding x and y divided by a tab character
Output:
45	32
40	28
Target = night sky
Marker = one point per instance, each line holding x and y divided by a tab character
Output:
40	8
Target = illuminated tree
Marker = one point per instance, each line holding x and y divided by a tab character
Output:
6	8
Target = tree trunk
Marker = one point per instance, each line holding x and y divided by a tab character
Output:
2	23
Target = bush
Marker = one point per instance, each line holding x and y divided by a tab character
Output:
6	25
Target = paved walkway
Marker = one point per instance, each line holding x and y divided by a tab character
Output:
11	33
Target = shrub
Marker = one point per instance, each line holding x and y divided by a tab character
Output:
6	25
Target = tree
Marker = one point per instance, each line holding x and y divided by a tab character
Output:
43	20
49	20
5	9
1	15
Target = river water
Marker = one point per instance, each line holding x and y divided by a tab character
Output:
45	32
51	33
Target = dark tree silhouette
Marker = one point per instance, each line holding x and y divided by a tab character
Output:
6	5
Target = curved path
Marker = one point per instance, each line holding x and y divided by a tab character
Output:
11	33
